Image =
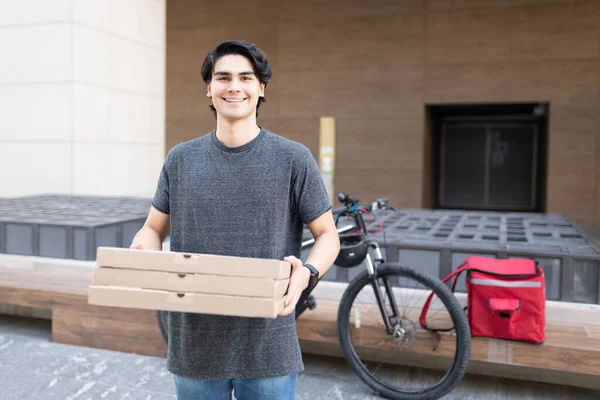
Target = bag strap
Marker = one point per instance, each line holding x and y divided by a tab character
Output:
454	274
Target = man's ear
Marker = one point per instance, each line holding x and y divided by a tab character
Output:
262	90
208	91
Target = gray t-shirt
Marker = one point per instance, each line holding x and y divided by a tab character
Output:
247	201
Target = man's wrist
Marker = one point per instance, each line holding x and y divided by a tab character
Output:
313	275
307	276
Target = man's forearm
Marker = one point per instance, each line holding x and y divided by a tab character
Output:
324	252
148	238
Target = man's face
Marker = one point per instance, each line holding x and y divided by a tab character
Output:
234	88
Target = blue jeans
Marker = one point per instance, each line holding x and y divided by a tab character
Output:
277	388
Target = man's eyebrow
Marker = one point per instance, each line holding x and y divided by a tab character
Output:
229	73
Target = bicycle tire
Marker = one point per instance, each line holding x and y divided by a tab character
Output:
463	347
161	317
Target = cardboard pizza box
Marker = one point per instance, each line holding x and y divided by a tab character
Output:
191	283
113	296
169	261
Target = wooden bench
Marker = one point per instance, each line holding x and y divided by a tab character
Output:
570	355
62	286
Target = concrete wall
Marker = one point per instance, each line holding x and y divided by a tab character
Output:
82	96
375	67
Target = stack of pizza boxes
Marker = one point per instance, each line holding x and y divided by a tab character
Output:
187	282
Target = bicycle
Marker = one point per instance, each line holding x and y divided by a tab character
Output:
369	303
382	283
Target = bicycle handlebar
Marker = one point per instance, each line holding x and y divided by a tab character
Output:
350	201
338	210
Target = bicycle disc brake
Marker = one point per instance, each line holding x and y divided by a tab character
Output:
404	331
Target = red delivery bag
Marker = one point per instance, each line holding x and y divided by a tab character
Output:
506	298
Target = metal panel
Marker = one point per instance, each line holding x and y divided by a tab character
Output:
488	165
463	159
53	241
19	239
67	226
585	281
570	263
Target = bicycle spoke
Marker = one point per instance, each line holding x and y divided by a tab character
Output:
378	352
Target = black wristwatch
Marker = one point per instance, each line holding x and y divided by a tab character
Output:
314	277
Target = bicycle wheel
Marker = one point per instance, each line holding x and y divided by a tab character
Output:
162	316
390	361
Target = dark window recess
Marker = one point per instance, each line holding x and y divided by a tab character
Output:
489	157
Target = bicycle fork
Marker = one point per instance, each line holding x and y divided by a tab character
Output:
372	271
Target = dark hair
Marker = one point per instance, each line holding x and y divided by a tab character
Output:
256	56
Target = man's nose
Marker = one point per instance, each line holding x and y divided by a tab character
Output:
234	85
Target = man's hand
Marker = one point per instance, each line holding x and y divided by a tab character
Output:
137	246
298	282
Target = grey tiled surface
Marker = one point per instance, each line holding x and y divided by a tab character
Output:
34	368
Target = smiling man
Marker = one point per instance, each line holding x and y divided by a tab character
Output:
240	190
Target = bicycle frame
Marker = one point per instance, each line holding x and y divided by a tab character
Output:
371	265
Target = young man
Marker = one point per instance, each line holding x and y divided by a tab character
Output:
240	190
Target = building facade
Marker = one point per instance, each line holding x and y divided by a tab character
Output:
522	78
82	93
437	103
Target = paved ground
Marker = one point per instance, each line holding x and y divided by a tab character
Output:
34	368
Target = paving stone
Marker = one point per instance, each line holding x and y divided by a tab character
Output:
34	368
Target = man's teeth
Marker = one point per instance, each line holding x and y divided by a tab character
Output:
234	101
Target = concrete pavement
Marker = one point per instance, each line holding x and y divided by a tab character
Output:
34	368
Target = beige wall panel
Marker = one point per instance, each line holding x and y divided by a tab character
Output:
209	14
402	187
535	32
332	10
386	91
570	86
379	143
358	43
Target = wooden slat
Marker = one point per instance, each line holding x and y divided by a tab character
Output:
39	298
62	286
126	330
570	353
45	274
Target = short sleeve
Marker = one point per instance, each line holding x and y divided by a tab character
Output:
161	196
310	195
